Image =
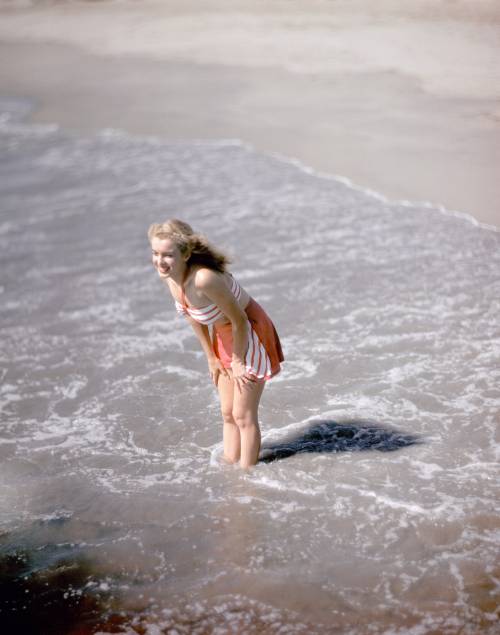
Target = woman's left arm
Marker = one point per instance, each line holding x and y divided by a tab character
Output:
211	284
214	365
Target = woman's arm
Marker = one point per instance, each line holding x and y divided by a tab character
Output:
203	334
212	285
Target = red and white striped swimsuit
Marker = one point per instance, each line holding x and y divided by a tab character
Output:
257	360
210	313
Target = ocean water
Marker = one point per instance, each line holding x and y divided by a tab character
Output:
374	507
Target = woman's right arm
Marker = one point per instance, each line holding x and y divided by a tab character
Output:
214	364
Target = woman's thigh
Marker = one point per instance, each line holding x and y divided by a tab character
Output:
246	401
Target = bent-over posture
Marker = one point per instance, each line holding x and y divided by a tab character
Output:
240	342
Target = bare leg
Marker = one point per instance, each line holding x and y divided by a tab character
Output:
245	414
231	432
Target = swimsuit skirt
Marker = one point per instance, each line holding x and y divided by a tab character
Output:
264	353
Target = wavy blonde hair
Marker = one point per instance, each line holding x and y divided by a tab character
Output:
195	246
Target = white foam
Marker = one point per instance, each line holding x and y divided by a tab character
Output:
72	390
109	411
117	134
344	180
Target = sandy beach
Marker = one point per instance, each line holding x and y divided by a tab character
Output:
372	507
402	98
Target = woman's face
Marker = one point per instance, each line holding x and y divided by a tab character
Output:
167	258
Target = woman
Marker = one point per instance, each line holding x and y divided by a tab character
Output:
243	351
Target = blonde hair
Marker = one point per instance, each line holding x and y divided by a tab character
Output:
195	246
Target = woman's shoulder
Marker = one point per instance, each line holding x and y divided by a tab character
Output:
204	277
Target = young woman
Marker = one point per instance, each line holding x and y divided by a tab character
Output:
243	349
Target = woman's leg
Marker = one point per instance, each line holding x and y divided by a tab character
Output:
245	415
230	433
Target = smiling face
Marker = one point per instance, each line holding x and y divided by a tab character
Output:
167	258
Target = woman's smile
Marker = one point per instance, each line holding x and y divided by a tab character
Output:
167	259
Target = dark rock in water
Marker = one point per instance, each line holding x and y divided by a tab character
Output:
59	599
348	436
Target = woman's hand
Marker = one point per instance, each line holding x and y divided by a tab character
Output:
241	378
215	368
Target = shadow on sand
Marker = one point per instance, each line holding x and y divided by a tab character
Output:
325	435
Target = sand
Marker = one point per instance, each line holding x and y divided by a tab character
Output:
400	97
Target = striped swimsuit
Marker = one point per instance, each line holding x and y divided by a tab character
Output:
210	313
263	352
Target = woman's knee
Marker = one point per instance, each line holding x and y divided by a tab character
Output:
244	418
227	415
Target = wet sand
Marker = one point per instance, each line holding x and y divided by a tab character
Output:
403	100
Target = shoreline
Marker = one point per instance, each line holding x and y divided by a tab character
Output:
382	130
339	178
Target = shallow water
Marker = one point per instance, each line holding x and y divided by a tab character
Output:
373	509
